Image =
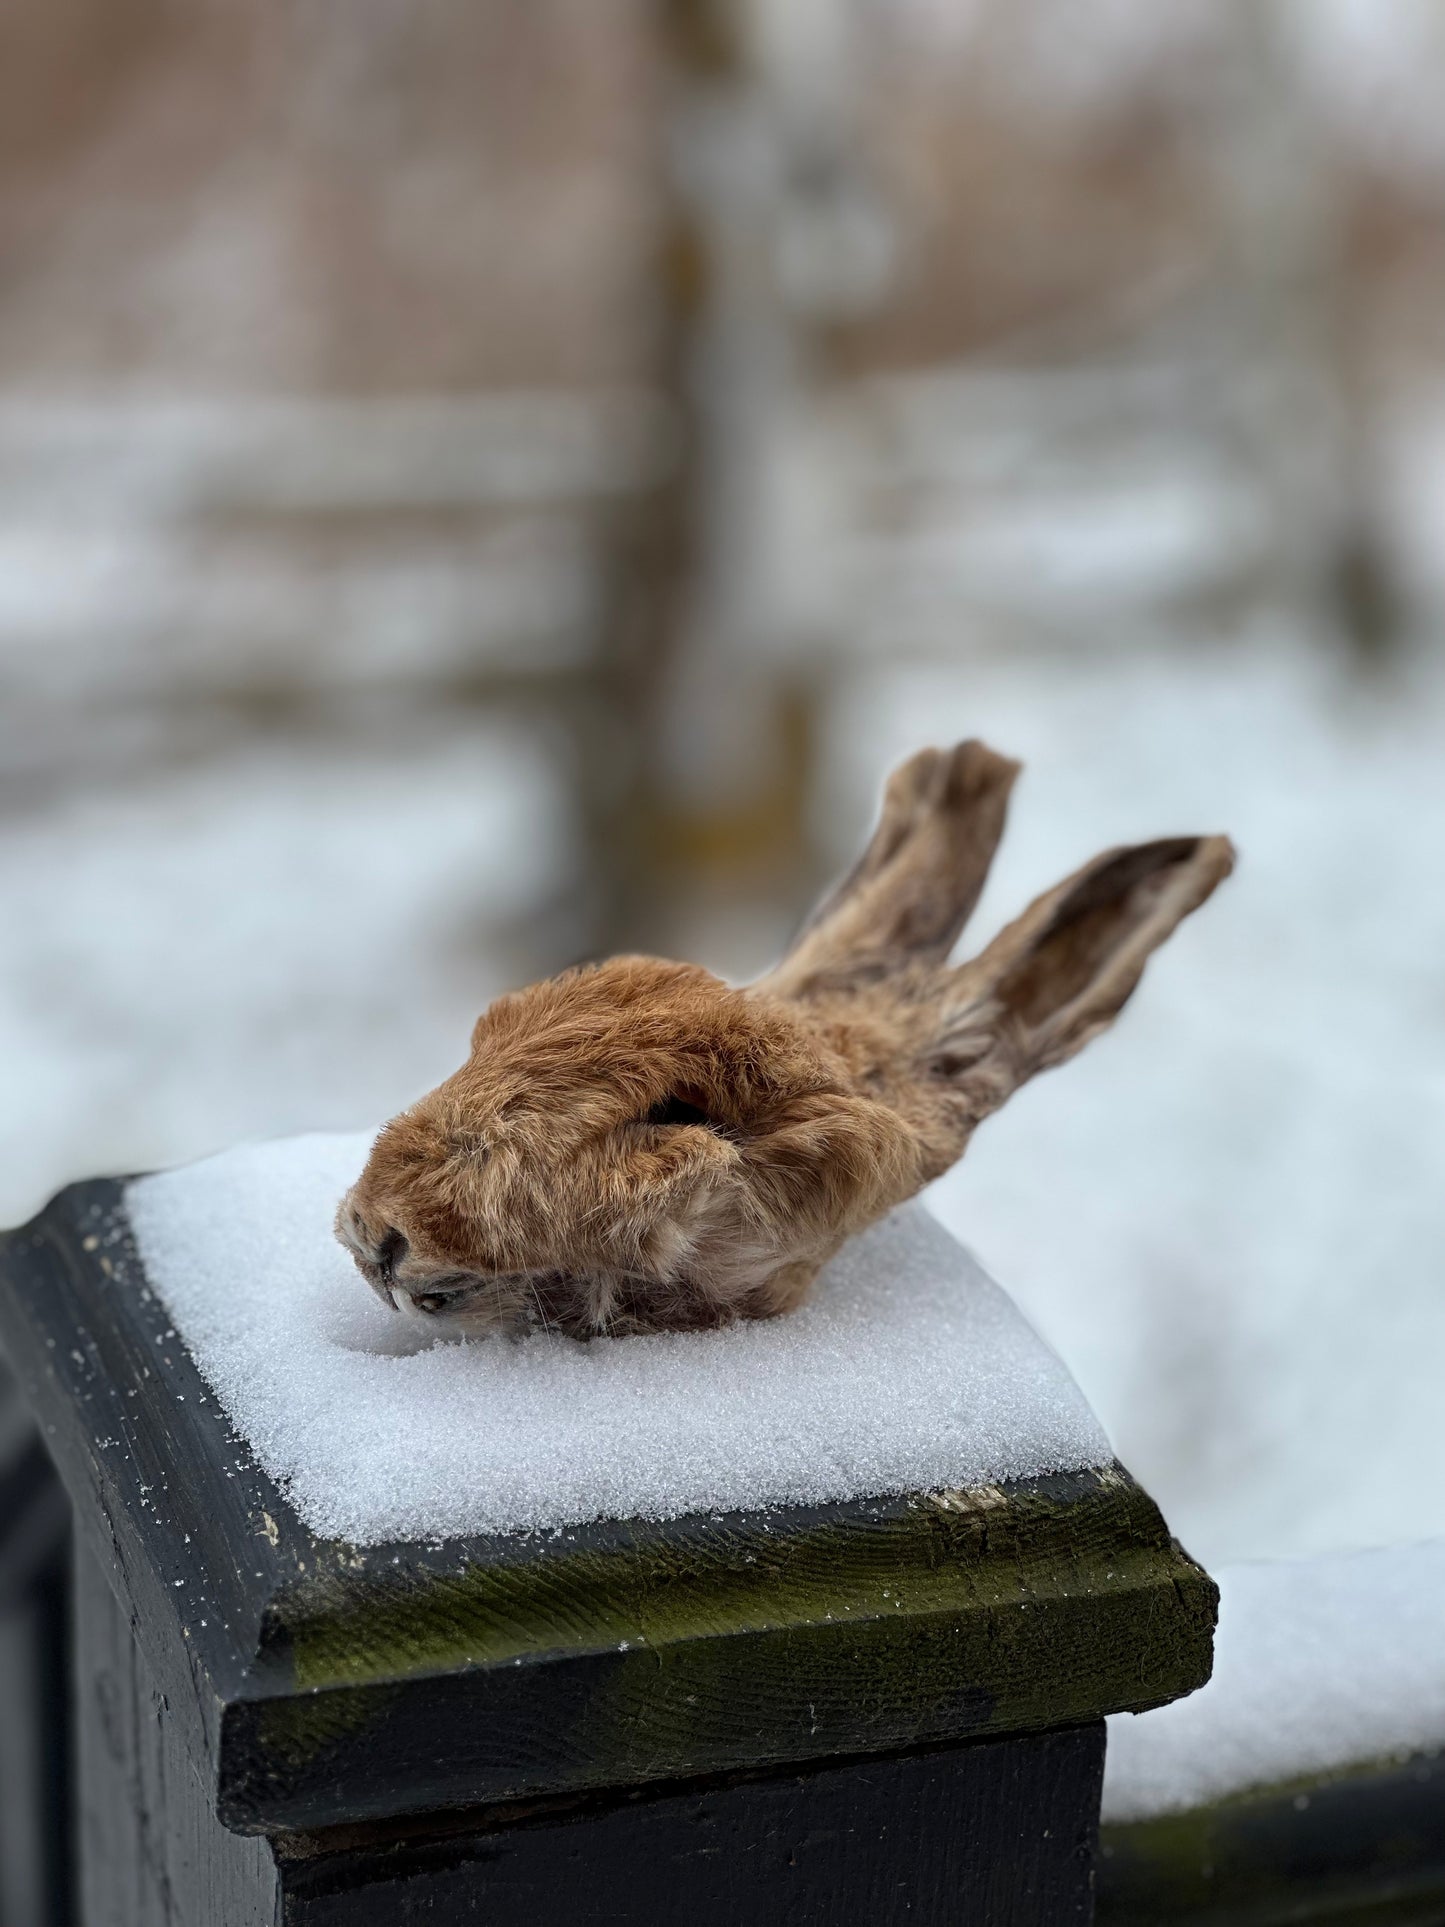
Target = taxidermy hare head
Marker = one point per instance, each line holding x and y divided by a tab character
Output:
637	1146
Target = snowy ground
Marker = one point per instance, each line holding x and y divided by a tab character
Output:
275	941
1229	1215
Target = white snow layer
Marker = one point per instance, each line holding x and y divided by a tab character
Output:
1319	1664
908	1369
1227	1215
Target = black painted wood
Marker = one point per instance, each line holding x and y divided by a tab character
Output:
1351	1848
35	1751
995	1834
248	1678
998	1833
150	1849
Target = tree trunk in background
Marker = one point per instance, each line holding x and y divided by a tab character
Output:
699	774
1286	214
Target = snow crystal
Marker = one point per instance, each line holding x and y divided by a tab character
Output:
1319	1664
908	1369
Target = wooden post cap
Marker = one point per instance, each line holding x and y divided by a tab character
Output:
320	1683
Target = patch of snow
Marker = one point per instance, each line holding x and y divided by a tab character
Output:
287	937
1374	73
140	613
908	1369
1228	1215
1319	1664
73	457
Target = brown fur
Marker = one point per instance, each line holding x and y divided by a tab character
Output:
532	1186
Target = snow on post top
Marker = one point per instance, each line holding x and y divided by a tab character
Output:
907	1370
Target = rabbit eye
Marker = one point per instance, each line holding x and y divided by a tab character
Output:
677	1110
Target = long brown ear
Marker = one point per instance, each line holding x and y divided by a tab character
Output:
1064	970
914	887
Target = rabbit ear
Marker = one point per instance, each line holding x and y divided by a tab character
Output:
1063	971
911	892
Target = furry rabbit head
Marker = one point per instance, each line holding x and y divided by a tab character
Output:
627	1146
638	1146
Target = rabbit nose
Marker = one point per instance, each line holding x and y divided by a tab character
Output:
390	1252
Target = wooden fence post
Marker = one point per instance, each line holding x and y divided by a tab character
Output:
35	1735
889	1709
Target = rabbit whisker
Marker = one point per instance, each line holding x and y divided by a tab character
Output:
537	1301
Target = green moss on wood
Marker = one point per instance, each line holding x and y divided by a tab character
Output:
694	1645
1095	1544
1363	1846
